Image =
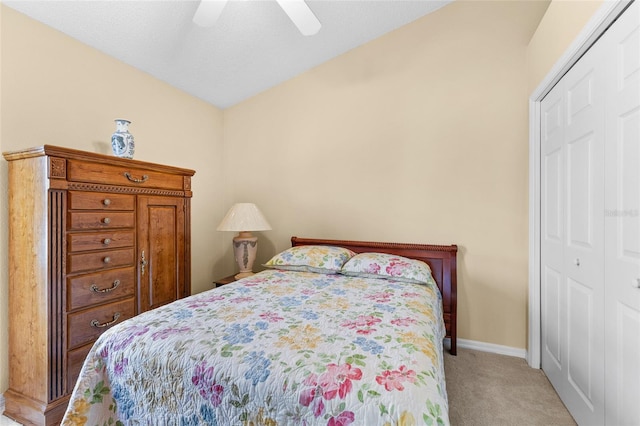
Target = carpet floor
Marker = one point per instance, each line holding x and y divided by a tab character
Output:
491	389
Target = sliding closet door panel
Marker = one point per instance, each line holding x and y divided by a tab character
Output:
552	234
622	220
584	245
572	232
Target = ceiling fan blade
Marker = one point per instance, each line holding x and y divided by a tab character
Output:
208	12
301	15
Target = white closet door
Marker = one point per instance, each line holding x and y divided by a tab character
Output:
622	220
584	245
573	276
552	276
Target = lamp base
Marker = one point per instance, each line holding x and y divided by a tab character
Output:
245	246
243	275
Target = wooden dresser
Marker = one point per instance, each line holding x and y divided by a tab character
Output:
93	240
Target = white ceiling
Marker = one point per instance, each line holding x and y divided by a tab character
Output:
252	47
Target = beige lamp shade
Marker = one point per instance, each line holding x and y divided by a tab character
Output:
244	218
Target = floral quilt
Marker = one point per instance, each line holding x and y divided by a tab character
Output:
277	348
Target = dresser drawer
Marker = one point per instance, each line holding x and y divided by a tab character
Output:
100	220
84	171
99	260
99	240
75	359
79	200
101	287
85	326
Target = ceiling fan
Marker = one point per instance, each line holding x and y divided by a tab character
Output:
209	11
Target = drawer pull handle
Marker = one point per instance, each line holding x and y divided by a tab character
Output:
135	180
106	220
95	289
106	202
96	323
107	259
106	241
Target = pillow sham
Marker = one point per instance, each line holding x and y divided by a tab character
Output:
382	265
320	259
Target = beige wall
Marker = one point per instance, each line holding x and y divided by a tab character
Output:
418	136
559	27
57	91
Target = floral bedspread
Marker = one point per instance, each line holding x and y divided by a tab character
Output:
277	348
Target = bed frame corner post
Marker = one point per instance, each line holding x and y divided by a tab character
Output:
454	300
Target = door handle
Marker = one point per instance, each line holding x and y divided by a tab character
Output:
143	263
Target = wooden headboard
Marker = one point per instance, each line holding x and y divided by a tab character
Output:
441	260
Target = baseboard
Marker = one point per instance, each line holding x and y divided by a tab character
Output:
491	347
1	404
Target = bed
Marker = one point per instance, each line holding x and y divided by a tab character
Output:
332	333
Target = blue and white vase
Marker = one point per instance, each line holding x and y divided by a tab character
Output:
122	141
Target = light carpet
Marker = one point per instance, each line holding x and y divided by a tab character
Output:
491	389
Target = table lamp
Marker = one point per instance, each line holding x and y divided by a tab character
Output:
244	218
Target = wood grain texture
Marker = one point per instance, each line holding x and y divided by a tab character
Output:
99	201
162	238
57	322
100	287
81	323
85	171
75	359
73	233
100	220
83	241
28	284
95	261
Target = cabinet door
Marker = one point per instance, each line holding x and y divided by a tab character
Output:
161	251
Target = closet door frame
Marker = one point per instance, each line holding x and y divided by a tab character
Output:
600	21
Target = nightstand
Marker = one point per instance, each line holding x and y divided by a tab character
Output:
225	280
